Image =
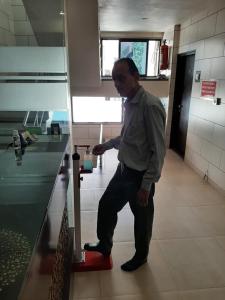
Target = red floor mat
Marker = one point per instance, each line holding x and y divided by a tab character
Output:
94	261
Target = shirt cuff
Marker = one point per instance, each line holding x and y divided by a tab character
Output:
146	185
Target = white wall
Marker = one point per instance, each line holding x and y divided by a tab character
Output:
159	88
83	43
205	148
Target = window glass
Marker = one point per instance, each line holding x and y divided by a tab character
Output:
110	53
137	51
153	58
145	54
97	109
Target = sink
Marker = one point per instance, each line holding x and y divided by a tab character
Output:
33	164
13	193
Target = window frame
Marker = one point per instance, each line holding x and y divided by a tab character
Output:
142	77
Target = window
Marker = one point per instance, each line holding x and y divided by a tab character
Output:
145	54
97	109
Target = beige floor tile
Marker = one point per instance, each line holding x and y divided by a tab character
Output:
212	216
221	241
153	276
85	285
179	222
89	199
187	252
88	226
195	263
148	296
208	294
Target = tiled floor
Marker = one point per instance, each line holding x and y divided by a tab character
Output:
187	252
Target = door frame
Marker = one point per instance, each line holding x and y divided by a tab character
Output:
177	93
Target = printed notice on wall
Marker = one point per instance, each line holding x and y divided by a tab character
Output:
208	88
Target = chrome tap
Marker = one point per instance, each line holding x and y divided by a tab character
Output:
17	147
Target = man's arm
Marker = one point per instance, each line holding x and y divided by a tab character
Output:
101	148
155	130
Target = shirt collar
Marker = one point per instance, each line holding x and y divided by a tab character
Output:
135	99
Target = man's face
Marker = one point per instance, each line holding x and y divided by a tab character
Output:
125	82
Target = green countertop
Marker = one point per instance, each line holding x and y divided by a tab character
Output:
25	192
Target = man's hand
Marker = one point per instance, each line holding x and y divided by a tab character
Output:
98	149
143	197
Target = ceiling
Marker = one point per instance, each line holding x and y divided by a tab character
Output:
146	15
114	15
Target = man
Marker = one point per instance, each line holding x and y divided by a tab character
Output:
141	146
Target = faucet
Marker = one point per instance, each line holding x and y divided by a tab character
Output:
17	147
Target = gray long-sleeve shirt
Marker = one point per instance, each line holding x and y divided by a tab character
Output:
141	144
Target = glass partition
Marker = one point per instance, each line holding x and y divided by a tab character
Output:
34	118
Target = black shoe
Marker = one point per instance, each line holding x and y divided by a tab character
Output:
98	248
133	264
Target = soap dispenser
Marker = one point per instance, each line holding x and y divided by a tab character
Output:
88	164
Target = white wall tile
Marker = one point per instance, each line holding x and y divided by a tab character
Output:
11	25
214	47
215	6
23	28
218	68
219	136
222	163
196	89
32	41
80	131
191	33
194	142
107	131
19	13
17	2
211	153
10	39
207	27
22	40
186	23
192	124
198	47
199	16
204	65
220	91
206	110
217	176
94	132
116	131
204	129
197	160
220	23
4	21
5	6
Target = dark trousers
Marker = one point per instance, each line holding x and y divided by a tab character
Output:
123	188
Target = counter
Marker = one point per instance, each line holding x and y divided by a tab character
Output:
32	207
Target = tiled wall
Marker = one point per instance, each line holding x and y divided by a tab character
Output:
205	148
7	37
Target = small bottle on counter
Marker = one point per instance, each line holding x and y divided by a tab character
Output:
88	164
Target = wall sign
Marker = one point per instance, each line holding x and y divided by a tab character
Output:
208	88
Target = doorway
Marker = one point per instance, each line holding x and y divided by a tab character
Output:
181	105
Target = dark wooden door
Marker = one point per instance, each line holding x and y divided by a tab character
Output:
182	97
